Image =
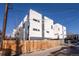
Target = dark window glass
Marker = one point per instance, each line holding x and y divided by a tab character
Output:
58	29
51	26
36	29
23	25
36	20
47	31
17	33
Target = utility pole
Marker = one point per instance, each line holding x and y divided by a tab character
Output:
5	22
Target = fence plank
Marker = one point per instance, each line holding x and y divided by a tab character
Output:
32	45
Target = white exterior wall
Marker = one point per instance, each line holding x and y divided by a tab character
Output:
13	33
35	24
64	32
47	28
20	30
58	31
25	29
20	34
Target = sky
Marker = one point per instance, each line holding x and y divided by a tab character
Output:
65	14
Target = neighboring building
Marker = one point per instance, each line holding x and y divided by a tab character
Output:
36	26
64	32
18	32
25	28
59	31
48	28
13	33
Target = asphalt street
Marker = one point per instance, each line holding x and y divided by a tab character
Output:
67	51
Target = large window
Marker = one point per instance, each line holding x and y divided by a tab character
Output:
36	20
34	29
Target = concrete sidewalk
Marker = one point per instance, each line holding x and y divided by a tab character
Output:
43	52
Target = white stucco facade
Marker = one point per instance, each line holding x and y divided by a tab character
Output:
35	21
64	32
58	31
36	26
48	28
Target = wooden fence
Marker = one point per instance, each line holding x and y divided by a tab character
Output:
30	45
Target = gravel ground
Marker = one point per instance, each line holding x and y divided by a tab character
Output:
58	51
43	52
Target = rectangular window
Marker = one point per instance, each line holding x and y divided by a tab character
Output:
36	29
19	29
58	29
23	25
17	33
36	20
51	26
47	31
